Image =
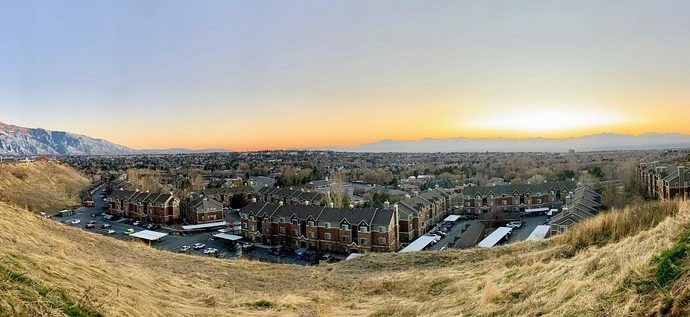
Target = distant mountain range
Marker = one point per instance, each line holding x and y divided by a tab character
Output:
20	141
596	142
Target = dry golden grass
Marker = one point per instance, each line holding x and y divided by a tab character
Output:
40	186
548	277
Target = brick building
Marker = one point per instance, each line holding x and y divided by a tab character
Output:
145	206
515	198
198	209
665	181
420	213
341	230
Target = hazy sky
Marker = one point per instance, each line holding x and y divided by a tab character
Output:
279	74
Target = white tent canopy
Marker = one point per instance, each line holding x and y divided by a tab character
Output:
226	236
452	218
148	235
539	232
494	237
418	245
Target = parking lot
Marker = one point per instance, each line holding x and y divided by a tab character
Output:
175	240
528	225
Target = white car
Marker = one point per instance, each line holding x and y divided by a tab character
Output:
198	246
111	231
184	248
211	251
514	224
73	221
223	230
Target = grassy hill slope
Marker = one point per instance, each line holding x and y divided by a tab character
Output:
632	262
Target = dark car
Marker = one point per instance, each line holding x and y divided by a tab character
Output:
302	253
274	251
105	226
285	251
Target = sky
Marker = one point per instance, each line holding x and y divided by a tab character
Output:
251	75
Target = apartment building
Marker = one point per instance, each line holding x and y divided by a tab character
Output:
145	206
581	204
665	182
420	213
515	198
199	209
341	230
289	196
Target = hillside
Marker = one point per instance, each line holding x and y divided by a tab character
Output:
605	266
40	186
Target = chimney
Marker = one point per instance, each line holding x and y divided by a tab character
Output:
386	205
395	208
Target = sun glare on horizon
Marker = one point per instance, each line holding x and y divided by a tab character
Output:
545	121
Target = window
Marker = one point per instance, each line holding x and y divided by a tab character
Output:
345	226
282	230
467	204
311	234
504	202
467	197
538	200
382	229
244	225
346	239
310	223
267	230
364	241
295	232
295	221
382	241
252	218
281	220
327	225
363	228
327	236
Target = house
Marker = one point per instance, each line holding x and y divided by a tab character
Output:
146	206
340	230
199	209
581	204
514	198
289	196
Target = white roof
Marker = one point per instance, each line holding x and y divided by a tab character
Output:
552	211
539	232
148	235
353	256
418	245
536	210
494	237
205	225
452	218
226	236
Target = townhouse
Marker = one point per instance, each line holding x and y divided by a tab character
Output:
199	209
145	206
224	195
581	204
515	198
341	230
420	213
289	196
665	182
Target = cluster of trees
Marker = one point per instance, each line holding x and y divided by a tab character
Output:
145	180
291	176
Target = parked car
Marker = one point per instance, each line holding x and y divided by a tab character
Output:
440	233
246	246
137	223
90	225
153	226
198	246
128	231
110	231
184	248
302	253
211	251
73	222
514	224
274	251
105	226
329	258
